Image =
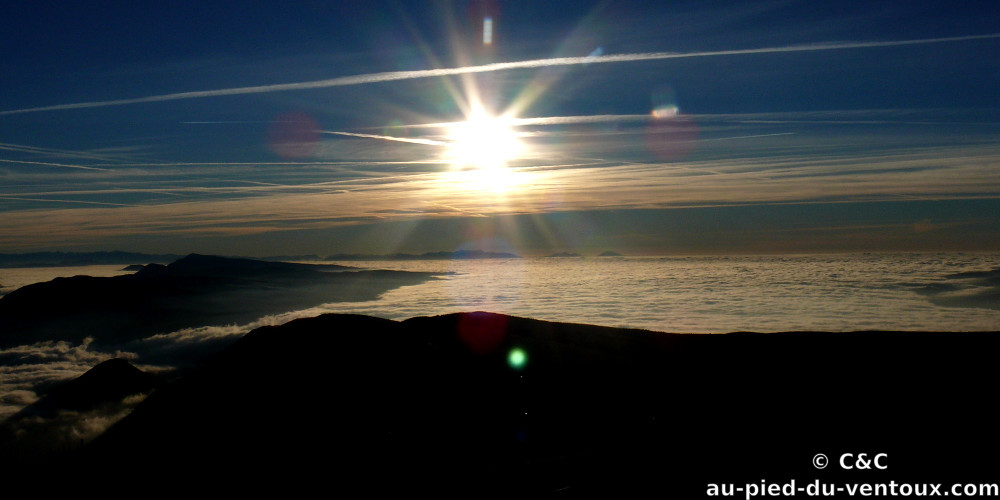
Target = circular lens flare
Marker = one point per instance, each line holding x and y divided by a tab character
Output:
517	358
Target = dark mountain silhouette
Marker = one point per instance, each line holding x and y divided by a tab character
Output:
74	411
133	267
435	404
609	253
108	382
289	258
210	266
564	254
456	255
193	291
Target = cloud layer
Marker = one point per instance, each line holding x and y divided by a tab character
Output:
572	164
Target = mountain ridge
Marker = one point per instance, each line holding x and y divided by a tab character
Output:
195	290
436	404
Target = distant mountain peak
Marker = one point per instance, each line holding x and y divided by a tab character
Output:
56	259
109	381
214	265
453	255
565	254
197	258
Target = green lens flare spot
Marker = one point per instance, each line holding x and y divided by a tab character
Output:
517	358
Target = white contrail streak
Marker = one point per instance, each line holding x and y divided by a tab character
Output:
755	136
574	120
20	148
46	164
428	142
542	120
486	68
78	202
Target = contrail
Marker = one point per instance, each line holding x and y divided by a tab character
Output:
755	136
54	165
428	142
47	200
486	68
55	152
574	120
541	120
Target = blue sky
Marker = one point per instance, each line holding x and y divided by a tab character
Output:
258	128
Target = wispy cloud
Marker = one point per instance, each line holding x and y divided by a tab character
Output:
795	175
573	163
505	66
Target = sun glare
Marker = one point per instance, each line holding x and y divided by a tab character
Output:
480	150
483	142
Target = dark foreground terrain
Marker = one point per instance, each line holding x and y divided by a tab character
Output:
355	405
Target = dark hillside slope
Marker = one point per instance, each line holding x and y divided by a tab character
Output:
435	405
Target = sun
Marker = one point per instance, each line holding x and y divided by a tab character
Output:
483	142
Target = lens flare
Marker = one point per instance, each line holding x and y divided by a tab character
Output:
482	333
488	31
517	358
294	136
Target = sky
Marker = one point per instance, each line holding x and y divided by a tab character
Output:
284	128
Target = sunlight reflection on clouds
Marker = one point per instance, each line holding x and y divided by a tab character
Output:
576	164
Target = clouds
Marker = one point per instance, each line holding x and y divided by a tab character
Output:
760	121
29	370
184	347
36	436
26	369
609	162
978	289
234	296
